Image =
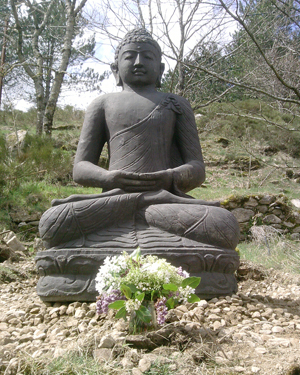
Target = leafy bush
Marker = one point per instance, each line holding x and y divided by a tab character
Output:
54	164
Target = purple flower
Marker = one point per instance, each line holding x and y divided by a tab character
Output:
105	299
182	273
161	310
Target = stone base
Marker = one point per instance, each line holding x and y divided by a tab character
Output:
69	274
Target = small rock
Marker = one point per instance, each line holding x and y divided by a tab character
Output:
126	363
80	314
107	342
239	369
203	303
140	342
39	335
277	329
144	364
70	310
102	354
261	350
216	325
213	317
182	308
63	309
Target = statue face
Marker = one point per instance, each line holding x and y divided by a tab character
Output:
139	64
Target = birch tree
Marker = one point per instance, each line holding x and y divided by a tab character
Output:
43	36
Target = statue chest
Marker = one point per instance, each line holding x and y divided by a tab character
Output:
144	146
157	123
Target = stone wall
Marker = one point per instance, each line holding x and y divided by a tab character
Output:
274	210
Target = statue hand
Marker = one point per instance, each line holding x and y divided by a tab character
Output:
128	181
139	182
161	179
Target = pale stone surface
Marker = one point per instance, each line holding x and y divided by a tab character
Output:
103	354
145	364
107	342
296	203
272	219
243	215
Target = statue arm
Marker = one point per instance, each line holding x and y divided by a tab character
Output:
92	139
192	173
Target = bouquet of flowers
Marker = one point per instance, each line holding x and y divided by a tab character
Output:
133	283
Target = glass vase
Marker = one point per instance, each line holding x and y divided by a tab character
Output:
136	325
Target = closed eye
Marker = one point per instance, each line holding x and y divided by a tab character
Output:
149	57
128	57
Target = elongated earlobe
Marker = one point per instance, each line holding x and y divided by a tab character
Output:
158	82
115	71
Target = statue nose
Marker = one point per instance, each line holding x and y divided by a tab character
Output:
138	60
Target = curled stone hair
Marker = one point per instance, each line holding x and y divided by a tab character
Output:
138	35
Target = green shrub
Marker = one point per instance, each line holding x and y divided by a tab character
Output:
54	164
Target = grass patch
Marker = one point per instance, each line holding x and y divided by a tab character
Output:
80	363
160	369
9	274
272	250
72	363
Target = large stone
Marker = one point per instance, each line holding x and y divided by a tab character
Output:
295	203
267	199
251	203
243	215
103	355
272	219
140	342
13	243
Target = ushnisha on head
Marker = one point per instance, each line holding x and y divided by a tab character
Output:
138	41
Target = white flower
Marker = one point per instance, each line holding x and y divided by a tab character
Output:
185	293
132	305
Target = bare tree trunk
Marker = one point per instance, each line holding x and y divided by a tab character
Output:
40	106
3	58
59	75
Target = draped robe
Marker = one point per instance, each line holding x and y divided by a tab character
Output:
115	219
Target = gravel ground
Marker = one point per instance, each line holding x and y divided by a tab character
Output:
256	331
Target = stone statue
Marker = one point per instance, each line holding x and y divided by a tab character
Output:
154	160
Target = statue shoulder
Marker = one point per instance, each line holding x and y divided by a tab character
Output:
99	103
182	101
178	104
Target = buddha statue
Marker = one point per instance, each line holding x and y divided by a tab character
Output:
155	158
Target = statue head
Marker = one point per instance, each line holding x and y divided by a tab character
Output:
138	41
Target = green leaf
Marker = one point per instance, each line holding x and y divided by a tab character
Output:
117	304
143	314
132	287
152	294
193	298
170	303
192	281
140	297
121	313
126	291
172	287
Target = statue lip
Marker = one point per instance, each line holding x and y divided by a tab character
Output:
139	72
